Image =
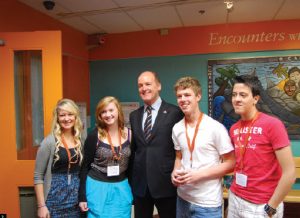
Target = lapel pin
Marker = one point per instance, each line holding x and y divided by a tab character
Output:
164	112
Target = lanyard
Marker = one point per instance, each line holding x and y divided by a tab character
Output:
115	156
68	153
242	147
192	146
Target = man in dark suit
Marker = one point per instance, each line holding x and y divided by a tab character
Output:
153	151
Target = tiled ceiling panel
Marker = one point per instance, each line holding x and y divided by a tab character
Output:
289	10
114	22
83	25
124	3
117	16
205	13
254	10
86	5
156	18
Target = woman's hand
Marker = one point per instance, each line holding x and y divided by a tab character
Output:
43	212
83	206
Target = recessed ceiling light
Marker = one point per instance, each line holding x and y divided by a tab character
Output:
229	4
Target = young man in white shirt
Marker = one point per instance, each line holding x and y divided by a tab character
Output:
204	154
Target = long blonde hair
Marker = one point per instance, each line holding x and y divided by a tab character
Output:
70	106
101	124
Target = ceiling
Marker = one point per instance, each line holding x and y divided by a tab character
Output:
118	16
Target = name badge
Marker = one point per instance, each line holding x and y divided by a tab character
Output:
69	179
241	179
113	170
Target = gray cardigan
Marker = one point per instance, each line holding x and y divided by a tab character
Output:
43	163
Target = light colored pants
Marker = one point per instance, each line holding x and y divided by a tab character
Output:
240	208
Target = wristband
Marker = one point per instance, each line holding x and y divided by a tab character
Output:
270	210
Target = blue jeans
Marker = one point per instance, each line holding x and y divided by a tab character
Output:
188	210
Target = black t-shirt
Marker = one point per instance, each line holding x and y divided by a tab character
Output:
61	165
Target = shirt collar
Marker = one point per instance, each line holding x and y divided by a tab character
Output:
155	106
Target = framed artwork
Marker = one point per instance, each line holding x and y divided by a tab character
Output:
279	87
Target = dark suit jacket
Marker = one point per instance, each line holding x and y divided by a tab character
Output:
152	163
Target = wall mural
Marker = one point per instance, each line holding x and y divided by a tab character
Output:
280	88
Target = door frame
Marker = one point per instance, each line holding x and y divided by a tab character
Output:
19	173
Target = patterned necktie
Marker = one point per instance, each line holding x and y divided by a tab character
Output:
148	124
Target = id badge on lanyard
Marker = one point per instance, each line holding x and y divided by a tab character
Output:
241	179
113	169
69	178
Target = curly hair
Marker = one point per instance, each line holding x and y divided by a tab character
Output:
101	124
70	106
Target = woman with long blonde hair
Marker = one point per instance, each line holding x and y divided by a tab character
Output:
104	188
57	166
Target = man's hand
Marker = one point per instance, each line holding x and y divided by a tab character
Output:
177	176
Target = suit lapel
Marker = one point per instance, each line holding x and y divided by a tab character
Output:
161	116
140	123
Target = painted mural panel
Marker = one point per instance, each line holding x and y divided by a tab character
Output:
279	86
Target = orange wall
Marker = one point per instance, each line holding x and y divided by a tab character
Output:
18	17
272	35
77	84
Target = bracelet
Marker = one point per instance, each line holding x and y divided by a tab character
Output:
41	206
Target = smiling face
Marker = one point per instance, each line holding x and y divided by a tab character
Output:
295	76
290	87
187	100
243	101
149	87
109	114
66	119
